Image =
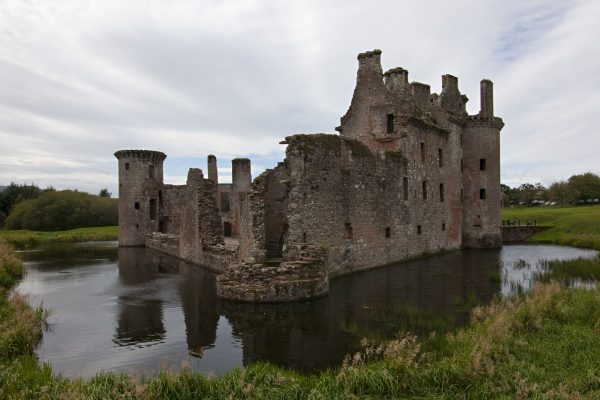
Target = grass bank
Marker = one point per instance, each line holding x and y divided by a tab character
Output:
25	238
542	345
573	226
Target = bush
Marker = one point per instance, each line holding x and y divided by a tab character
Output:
58	211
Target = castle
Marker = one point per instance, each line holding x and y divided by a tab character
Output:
410	173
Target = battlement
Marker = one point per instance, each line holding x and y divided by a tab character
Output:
147	155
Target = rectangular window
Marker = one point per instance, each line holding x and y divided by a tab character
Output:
152	209
482	194
482	164
126	166
151	172
443	227
461	165
304	237
348	231
441	157
441	192
418	229
424	190
388	232
422	152
390	123
405	188
136	205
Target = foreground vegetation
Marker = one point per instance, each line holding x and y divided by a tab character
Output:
26	239
541	345
573	226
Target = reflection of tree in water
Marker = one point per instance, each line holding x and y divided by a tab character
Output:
140	322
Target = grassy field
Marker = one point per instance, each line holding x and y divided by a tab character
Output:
23	238
541	345
573	226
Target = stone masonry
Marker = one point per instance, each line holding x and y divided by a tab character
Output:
410	174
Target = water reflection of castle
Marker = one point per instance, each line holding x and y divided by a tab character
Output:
305	336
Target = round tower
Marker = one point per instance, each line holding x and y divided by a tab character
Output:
140	194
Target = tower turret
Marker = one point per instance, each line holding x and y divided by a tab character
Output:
140	194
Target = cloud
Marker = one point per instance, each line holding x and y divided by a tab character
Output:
81	80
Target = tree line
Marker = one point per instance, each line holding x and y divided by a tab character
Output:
578	189
31	207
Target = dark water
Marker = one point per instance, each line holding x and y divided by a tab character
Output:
136	310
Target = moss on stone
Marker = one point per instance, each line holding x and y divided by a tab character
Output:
358	149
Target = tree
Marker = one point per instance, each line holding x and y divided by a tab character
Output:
14	194
57	211
104	193
559	191
585	187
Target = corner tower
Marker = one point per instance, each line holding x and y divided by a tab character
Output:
481	174
140	194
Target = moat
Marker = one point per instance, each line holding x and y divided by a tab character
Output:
135	310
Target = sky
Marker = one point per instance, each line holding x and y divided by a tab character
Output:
81	79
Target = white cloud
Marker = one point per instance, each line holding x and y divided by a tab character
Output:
83	79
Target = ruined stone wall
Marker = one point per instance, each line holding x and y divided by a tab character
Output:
276	210
350	199
173	201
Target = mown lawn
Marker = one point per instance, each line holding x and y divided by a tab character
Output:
24	238
574	226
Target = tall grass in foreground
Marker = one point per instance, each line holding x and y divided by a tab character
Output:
19	323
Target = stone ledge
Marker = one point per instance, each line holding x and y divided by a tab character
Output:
300	279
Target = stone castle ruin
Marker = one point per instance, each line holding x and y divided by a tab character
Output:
410	174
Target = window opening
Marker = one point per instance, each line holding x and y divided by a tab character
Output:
390	123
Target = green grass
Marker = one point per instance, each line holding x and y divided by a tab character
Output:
572	226
566	270
24	238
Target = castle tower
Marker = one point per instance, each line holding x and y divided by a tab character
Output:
481	174
140	194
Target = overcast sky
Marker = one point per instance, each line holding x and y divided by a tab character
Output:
82	79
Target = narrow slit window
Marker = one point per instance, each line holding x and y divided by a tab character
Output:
461	165
424	190
388	232
152	209
441	192
419	230
441	157
390	123
304	237
482	164
461	195
348	231
422	152
482	194
405	188
443	227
